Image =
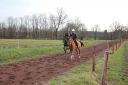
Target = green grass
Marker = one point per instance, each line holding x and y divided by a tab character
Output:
43	48
116	64
15	54
27	43
89	43
82	75
30	43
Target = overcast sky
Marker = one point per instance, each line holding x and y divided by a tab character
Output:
90	12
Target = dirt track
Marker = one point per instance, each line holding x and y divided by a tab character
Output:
43	69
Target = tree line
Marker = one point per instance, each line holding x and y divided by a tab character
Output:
39	26
54	26
115	31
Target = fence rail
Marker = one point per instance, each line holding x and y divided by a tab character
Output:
114	45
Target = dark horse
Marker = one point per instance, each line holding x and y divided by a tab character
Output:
73	48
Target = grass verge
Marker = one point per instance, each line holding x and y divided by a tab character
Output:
13	55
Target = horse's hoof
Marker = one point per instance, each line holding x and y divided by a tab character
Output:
72	57
79	56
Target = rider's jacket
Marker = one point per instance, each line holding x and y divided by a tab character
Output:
73	34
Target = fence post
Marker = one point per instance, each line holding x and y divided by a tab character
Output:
18	44
107	45
93	59
116	45
104	72
120	42
112	49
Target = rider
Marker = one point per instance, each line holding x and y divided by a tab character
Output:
65	38
73	34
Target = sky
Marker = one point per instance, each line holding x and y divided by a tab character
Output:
90	12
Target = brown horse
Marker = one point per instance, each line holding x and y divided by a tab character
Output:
73	48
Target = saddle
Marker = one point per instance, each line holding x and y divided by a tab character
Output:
76	43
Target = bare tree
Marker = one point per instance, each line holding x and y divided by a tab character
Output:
105	34
35	26
126	32
60	19
20	29
3	30
52	25
95	29
23	27
83	32
114	27
78	26
43	26
27	27
11	27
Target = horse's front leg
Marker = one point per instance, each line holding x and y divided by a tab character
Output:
78	52
72	55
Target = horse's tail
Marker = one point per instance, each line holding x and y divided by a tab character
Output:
82	44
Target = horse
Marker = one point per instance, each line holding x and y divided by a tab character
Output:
73	48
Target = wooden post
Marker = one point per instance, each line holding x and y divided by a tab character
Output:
18	44
120	42
93	59
104	73
107	45
116	45
113	48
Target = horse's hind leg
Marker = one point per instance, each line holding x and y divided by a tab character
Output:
78	55
77	51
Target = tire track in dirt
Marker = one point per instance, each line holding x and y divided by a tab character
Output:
38	70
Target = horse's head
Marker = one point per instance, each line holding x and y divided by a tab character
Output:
70	40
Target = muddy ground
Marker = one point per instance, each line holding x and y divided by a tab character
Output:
38	70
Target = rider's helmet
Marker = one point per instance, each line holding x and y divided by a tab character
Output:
73	30
66	34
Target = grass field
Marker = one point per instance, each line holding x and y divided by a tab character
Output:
116	64
27	43
30	49
82	75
